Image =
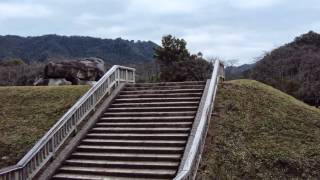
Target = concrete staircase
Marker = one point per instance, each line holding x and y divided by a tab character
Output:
141	135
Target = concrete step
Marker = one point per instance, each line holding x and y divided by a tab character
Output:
66	176
141	136
122	164
153	100
159	95
148	119
126	156
167	84
149	114
144	124
155	104
130	149
138	130
121	142
162	91
137	88
152	109
144	173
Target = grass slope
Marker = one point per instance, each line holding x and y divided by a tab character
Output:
26	113
261	133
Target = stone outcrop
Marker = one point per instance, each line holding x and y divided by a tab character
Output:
79	71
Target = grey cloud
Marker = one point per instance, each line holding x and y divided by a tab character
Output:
232	29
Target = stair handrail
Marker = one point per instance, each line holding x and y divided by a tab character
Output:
193	151
46	148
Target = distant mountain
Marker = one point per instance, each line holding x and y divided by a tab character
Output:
43	48
293	68
237	72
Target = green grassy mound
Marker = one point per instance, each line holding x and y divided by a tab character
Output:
27	113
261	133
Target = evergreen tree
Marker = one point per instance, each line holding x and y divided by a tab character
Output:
176	63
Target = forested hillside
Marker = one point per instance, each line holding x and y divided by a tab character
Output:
293	68
44	48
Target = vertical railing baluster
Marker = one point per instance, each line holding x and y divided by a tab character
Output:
133	76
126	75
119	75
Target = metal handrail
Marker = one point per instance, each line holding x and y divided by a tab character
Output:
46	148
192	155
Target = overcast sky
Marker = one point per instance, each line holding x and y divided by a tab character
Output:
229	29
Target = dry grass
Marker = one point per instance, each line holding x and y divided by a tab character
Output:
26	113
261	133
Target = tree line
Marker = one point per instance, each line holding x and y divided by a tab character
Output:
171	62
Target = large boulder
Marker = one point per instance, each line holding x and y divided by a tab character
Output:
84	69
